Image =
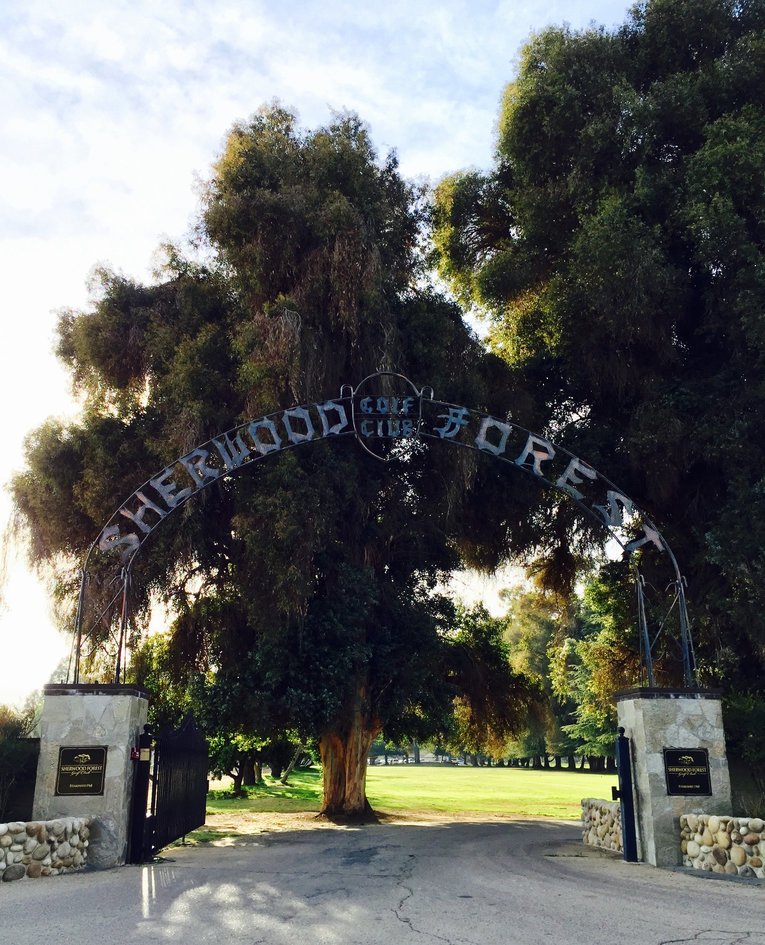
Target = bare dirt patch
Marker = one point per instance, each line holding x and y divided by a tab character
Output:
251	823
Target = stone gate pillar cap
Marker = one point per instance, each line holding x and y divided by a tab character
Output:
94	689
657	693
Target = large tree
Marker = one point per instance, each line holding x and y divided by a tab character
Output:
618	247
308	582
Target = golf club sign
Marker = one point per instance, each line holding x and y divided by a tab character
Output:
687	772
386	413
81	771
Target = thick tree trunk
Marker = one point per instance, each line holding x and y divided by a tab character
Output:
252	769
249	777
344	764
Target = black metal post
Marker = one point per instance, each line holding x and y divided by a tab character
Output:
136	851
625	797
645	639
122	645
78	626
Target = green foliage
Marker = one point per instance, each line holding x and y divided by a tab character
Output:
169	698
302	590
535	623
617	249
596	656
241	729
744	718
15	726
580	651
493	701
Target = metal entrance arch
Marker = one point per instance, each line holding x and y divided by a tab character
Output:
385	412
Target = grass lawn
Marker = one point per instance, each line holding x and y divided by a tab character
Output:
302	794
513	792
446	789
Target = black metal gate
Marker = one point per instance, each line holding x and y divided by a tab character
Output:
169	789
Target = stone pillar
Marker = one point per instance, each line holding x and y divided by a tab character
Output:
90	718
689	720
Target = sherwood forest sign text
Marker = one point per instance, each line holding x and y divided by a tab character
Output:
379	421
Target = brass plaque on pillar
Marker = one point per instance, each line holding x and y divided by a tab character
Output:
81	771
687	772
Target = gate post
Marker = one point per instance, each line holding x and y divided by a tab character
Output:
139	804
85	769
679	763
624	796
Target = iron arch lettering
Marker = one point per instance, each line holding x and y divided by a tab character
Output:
392	413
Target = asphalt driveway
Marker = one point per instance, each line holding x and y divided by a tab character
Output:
487	883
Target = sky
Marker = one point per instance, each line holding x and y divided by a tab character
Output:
112	114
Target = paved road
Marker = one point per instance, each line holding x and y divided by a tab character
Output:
461	883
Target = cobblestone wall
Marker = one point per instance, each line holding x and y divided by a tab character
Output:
719	844
43	848
601	824
734	845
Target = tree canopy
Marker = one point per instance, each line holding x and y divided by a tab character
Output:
308	586
616	248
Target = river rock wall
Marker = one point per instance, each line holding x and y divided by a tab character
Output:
43	848
721	844
601	824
